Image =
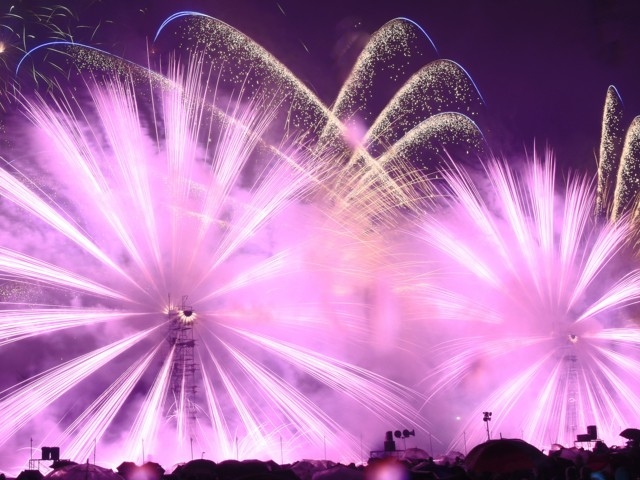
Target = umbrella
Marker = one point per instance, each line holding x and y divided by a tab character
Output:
29	475
450	458
503	456
305	469
576	455
631	434
414	453
198	469
83	471
148	471
62	463
231	469
340	472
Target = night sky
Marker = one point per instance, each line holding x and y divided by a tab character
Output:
543	67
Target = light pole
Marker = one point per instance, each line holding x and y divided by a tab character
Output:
486	418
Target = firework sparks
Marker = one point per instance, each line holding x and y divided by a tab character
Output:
555	348
171	182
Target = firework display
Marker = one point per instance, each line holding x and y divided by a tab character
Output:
229	183
540	296
202	255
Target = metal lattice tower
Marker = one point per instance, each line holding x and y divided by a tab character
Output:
183	366
572	395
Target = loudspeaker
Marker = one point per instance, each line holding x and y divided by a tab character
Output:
389	444
46	453
592	431
55	453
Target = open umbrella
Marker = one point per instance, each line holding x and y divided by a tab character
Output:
306	469
576	455
62	463
83	471
415	453
503	456
148	471
232	469
631	434
198	469
340	472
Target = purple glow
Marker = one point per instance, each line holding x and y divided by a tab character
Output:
339	287
191	181
544	333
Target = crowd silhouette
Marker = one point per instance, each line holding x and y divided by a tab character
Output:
501	459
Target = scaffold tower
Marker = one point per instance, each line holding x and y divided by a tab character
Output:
183	365
572	395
